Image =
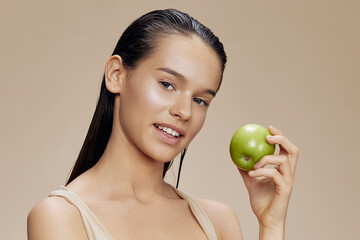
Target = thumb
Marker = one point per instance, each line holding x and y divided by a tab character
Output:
245	175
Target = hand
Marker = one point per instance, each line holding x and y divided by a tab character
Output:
270	188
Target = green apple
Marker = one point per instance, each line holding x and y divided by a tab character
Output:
248	146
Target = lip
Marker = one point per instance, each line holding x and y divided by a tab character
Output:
165	137
173	127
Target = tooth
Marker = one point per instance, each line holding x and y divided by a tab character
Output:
169	130
160	127
164	129
173	133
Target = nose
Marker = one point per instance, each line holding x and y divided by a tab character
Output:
181	107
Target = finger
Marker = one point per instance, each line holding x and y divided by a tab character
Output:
281	161
244	174
283	142
288	146
285	145
248	181
274	131
278	179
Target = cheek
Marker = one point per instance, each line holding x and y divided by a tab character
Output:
142	102
153	100
197	123
201	121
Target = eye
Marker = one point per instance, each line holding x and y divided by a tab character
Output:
167	85
200	101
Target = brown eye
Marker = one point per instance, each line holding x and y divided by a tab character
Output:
167	85
200	101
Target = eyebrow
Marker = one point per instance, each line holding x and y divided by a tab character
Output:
182	78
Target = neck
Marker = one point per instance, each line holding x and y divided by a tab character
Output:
127	169
124	170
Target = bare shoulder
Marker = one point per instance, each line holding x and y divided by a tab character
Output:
223	217
55	218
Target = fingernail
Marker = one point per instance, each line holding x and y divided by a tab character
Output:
270	137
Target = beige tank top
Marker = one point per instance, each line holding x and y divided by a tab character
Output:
96	231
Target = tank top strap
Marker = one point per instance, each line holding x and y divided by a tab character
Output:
199	214
95	230
93	227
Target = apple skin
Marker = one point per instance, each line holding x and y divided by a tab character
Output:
248	146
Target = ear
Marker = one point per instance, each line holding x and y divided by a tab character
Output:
114	74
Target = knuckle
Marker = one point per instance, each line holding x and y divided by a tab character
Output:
295	149
283	159
274	172
280	138
265	158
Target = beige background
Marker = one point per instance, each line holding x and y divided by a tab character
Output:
293	64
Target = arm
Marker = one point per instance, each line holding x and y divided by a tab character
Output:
269	196
54	218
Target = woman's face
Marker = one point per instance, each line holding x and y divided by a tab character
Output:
164	100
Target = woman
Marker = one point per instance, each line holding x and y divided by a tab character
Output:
157	87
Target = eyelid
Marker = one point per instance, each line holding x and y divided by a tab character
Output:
206	103
162	82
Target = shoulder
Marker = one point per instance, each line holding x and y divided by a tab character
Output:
51	216
223	217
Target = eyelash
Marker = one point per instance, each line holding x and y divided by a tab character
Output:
199	101
166	85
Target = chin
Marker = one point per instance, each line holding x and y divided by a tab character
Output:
164	158
163	155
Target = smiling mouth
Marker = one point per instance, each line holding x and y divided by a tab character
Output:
170	132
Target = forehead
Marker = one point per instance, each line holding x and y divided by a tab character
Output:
188	55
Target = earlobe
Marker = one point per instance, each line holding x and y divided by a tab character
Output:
114	74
